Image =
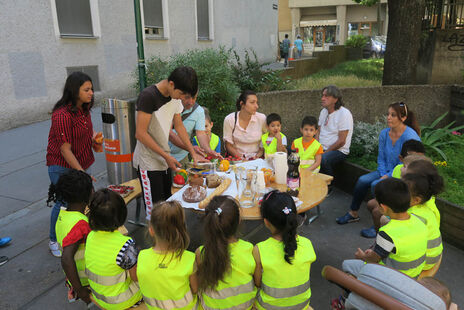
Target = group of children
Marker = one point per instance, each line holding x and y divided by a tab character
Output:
103	265
308	148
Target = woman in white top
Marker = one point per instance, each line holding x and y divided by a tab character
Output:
243	129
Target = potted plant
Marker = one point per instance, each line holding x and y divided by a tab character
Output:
354	46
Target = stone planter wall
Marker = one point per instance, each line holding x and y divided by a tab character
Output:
452	215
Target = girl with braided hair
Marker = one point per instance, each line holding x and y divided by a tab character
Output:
283	260
72	227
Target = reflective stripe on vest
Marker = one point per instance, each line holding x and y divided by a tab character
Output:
213	142
309	153
272	307
231	291
410	240
432	260
285	292
272	147
245	305
131	291
65	223
390	262
434	242
111	285
170	304
106	280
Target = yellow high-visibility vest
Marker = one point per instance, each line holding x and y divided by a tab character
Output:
65	222
284	285
111	286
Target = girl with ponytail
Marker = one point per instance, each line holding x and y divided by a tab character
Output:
225	261
283	260
422	187
243	128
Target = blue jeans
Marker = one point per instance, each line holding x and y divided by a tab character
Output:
362	185
55	172
329	160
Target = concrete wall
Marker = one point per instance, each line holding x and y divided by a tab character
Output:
285	19
365	103
34	57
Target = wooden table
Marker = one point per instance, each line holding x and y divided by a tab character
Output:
313	190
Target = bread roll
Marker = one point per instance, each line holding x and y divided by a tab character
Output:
218	191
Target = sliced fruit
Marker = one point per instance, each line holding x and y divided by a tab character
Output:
224	165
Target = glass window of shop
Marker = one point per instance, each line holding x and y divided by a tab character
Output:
320	35
367	29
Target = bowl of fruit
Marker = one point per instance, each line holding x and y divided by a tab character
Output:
180	179
234	159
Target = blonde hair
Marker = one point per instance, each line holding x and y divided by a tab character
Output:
168	223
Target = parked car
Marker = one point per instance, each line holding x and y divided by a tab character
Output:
375	47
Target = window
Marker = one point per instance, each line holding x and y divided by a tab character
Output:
204	19
153	18
365	28
76	18
91	71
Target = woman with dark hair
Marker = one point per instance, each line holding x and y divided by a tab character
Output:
70	139
244	128
402	126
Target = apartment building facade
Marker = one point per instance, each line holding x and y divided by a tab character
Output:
42	41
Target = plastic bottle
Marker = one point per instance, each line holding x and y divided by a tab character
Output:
293	173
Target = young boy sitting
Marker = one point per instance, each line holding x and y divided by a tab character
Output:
410	147
214	141
309	149
273	140
402	243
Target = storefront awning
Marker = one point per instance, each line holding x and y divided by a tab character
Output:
318	20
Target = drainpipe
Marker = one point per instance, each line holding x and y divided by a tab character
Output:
140	53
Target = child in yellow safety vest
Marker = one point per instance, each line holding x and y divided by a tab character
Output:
214	141
283	260
273	140
110	257
422	186
410	150
167	272
309	149
402	243
225	262
72	227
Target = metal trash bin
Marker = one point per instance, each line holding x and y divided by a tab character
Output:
118	118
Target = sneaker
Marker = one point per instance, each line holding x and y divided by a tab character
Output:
338	303
369	232
4	241
54	248
347	218
3	260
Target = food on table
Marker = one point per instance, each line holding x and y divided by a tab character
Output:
180	179
196	179
224	165
234	159
269	176
194	194
218	191
213	180
122	190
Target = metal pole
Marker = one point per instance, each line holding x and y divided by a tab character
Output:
140	53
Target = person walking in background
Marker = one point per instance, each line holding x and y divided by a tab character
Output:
71	138
299	46
285	49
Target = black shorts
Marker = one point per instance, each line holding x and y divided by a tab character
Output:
156	186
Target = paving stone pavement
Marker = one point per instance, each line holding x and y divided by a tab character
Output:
33	279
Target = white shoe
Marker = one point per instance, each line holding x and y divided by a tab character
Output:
54	248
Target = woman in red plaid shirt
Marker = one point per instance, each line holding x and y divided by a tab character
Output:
71	138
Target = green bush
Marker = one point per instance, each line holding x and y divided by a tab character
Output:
357	40
249	75
365	143
216	80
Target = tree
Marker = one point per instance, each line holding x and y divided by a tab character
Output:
403	40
